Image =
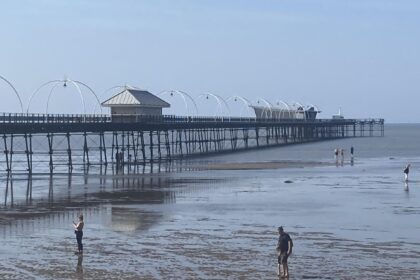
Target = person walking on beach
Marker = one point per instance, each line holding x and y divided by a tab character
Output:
78	230
406	171
284	249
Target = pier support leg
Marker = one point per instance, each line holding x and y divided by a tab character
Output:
50	137
70	161
85	150
143	148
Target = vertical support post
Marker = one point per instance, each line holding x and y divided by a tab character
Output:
100	148
112	147
168	145
173	148
151	145
245	135
11	152
200	142
206	133
267	135
159	151
135	147
143	148
104	148
186	142
6	153
85	149
257	136
50	150
122	148
216	148
70	161
180	142
30	152
29	169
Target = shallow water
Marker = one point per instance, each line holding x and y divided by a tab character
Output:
347	221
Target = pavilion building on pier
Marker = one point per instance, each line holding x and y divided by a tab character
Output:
132	103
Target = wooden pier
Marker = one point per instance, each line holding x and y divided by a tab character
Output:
57	143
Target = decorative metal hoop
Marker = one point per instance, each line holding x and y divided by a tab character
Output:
268	105
245	101
65	81
15	91
219	101
184	97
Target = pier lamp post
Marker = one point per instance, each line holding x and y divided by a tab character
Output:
244	101
65	82
267	105
285	105
184	97
14	90
220	101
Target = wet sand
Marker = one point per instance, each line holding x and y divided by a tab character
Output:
261	165
347	222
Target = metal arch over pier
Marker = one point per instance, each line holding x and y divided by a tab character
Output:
35	143
14	90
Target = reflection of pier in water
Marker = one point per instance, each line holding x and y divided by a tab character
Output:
71	189
54	199
121	219
36	202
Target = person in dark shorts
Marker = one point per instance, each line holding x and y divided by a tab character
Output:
406	171
284	249
78	230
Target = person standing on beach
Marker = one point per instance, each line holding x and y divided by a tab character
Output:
351	151
78	230
284	249
406	171
336	154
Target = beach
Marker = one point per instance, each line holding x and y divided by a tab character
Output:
217	217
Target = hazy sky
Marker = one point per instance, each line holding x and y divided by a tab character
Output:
360	55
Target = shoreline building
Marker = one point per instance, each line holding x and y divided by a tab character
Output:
132	104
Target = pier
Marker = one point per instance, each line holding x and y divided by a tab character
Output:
60	142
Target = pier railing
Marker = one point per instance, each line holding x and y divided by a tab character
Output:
15	118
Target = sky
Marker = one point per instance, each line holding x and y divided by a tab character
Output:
358	55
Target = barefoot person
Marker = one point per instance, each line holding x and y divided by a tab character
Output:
406	170
284	249
78	230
